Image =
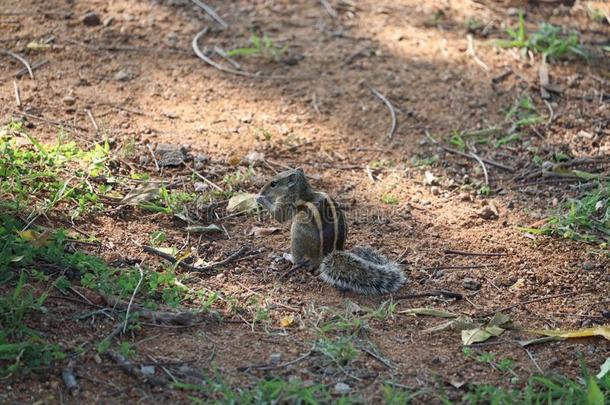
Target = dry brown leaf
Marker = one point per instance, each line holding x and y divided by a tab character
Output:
603	331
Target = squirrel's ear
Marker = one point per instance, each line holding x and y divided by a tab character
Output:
292	179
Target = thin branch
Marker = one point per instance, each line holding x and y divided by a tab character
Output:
329	9
390	107
464	253
472	53
210	62
519	304
271	366
466	267
232	257
433	293
92	119
24	70
17	98
478	159
133	295
206	180
210	11
20	59
488	161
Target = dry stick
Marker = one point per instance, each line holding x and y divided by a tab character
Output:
92	119
133	295
271	367
24	70
488	161
20	59
129	368
153	156
457	152
551	113
331	12
473	266
478	159
53	122
378	358
17	98
548	297
232	257
206	180
390	107
433	293
464	253
472	53
226	57
210	11
210	62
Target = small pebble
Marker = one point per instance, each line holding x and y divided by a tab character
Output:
91	19
488	212
69	100
275	358
221	277
342	388
471	284
588	266
435	190
122	75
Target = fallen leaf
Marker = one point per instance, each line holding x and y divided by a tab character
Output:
524	343
470	336
481	334
429	312
36	239
499	319
603	331
37	46
460	323
242	202
259	231
519	284
16	259
144	193
604	369
287	321
203	229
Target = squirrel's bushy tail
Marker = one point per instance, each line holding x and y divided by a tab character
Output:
362	270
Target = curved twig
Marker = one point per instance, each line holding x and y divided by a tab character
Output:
478	159
132	297
210	11
20	59
390	107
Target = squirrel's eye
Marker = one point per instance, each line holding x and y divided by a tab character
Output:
273	184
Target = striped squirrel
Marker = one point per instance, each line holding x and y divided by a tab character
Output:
318	234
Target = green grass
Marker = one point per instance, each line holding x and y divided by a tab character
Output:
543	390
217	390
260	47
57	182
585	219
389	199
550	41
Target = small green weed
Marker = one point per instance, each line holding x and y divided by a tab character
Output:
261	47
522	113
550	41
217	390
585	219
341	350
543	390
389	199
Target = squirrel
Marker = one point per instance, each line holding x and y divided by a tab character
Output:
318	234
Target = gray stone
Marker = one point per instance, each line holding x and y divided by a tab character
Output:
471	284
91	19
